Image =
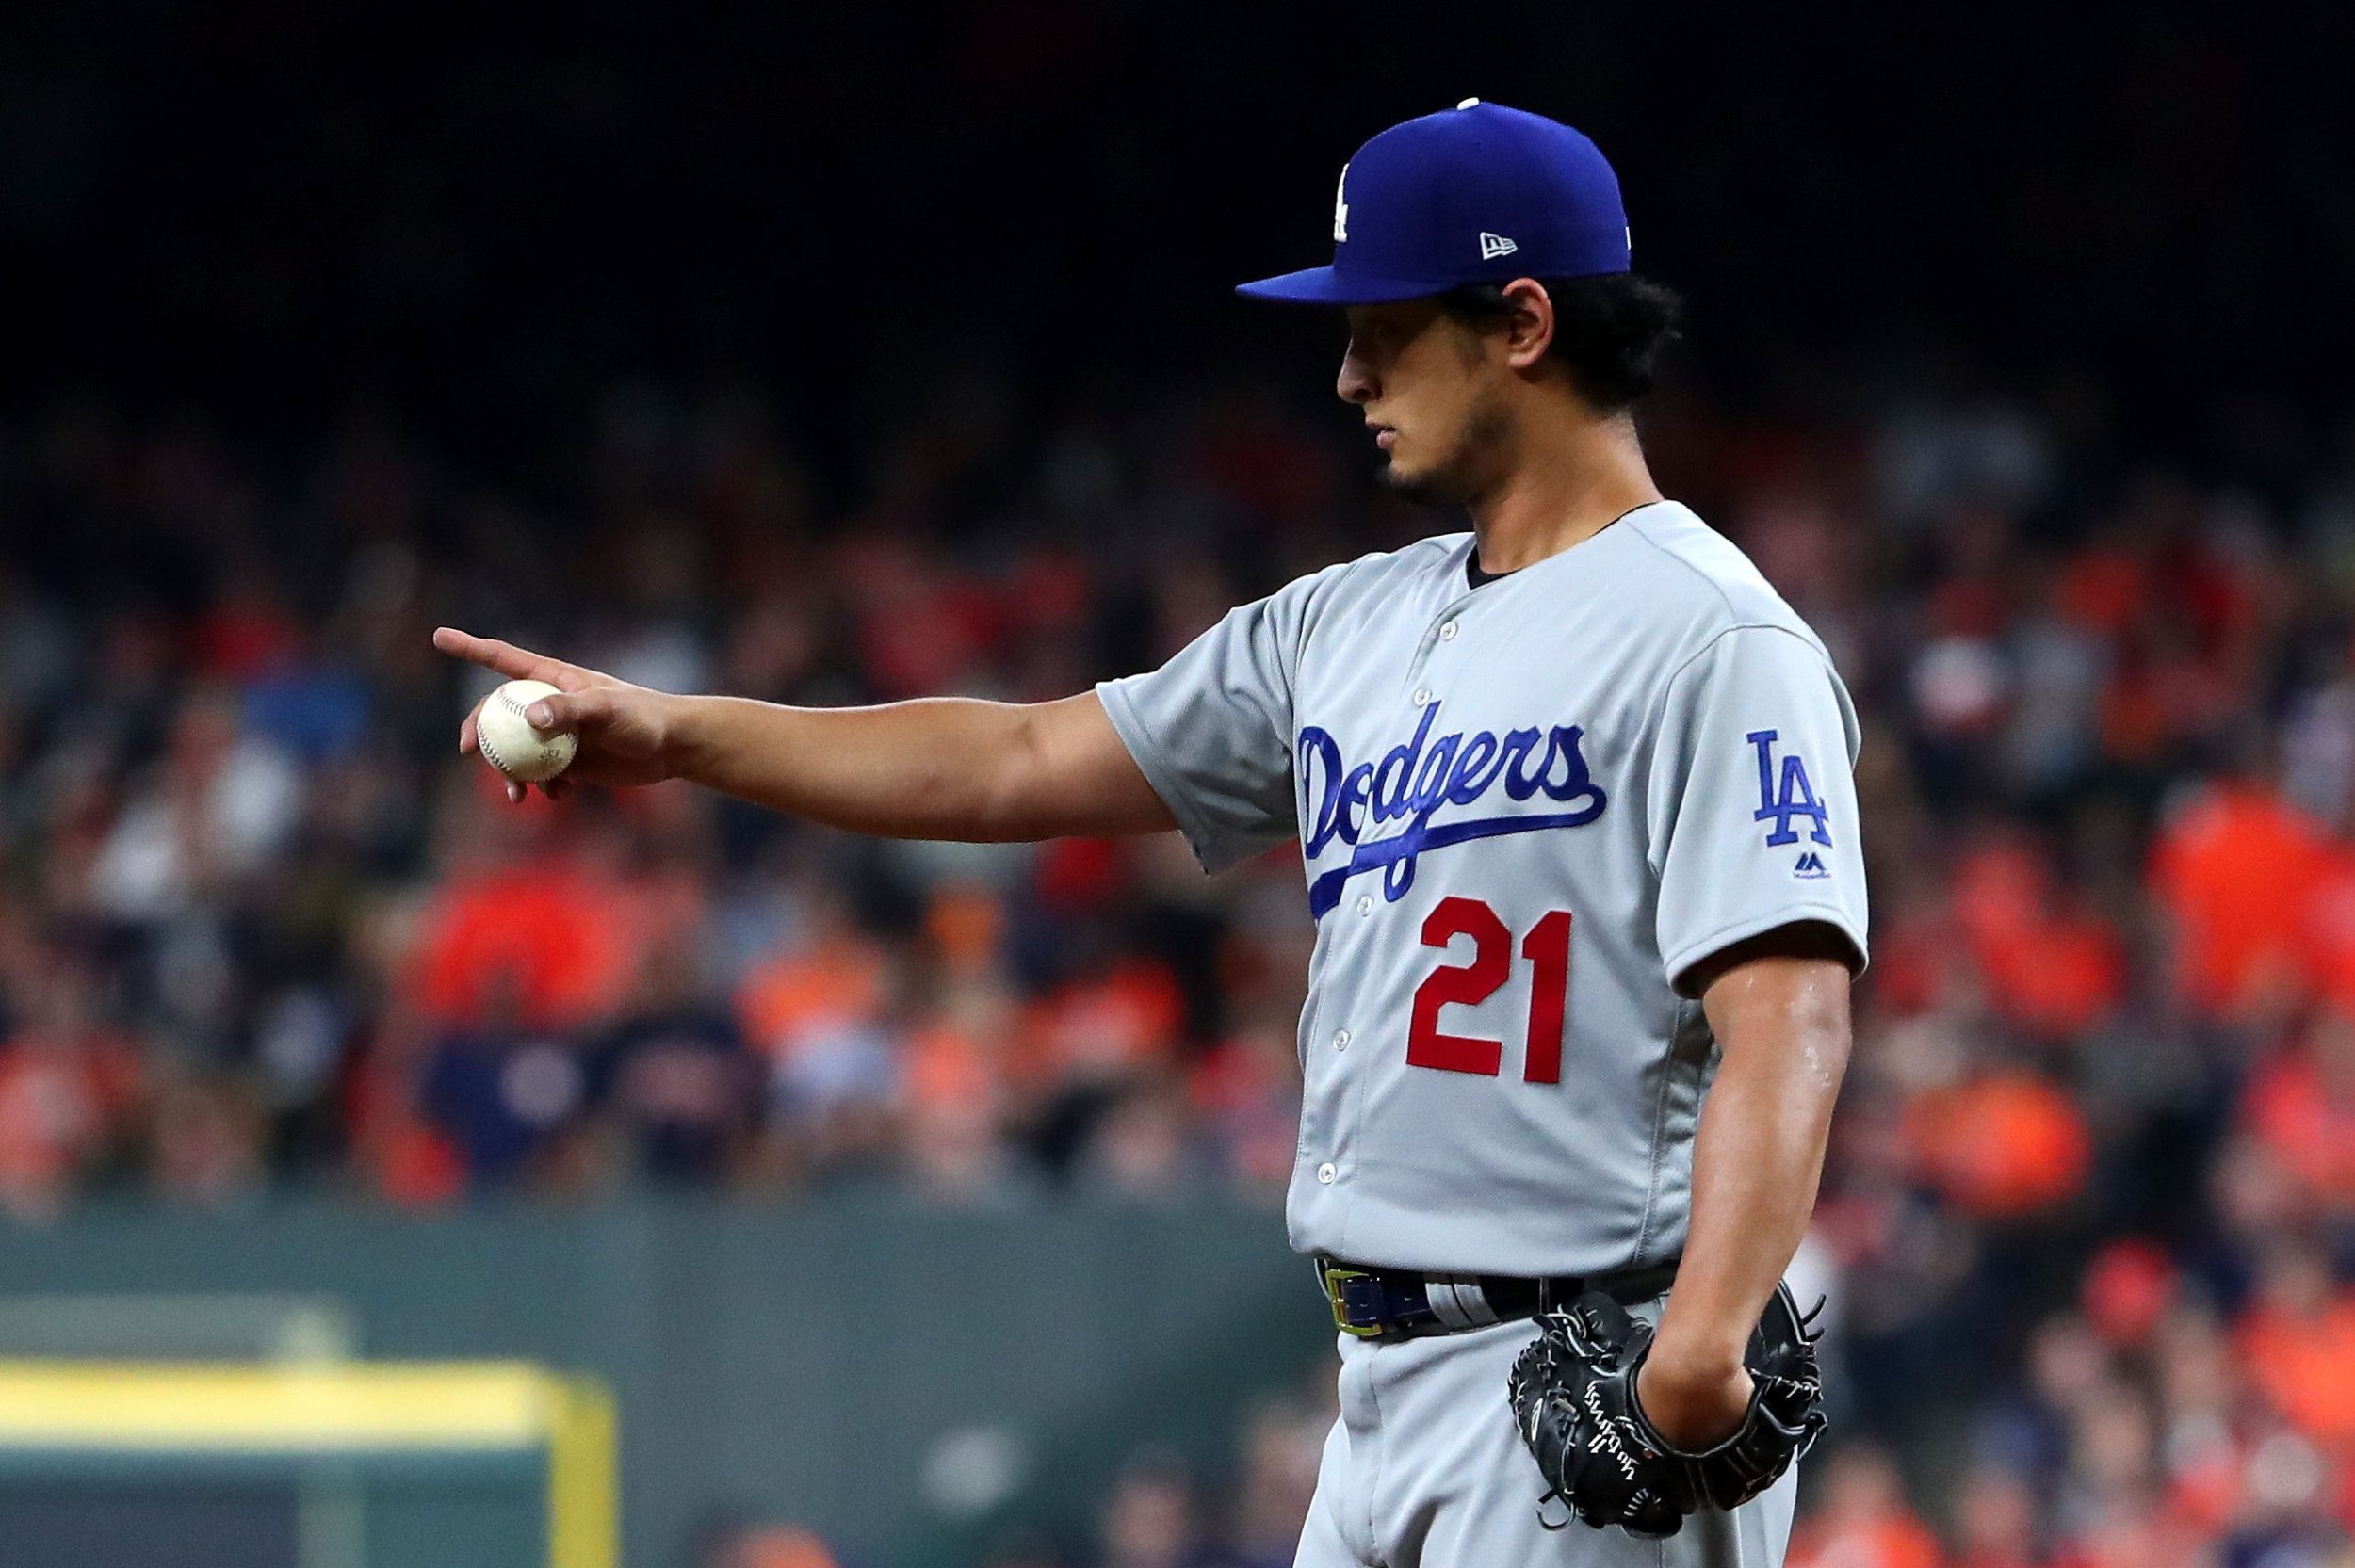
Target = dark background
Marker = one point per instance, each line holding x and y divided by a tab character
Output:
275	208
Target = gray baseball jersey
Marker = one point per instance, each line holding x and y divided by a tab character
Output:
1525	810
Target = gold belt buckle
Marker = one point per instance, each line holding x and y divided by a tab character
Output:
1332	1279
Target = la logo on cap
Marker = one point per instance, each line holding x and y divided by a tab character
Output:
1341	207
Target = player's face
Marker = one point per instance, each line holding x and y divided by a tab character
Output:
1430	389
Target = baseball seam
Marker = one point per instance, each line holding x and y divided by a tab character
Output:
490	753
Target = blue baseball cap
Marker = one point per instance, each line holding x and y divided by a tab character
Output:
1475	194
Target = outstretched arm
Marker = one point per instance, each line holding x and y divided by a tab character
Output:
1779	1004
947	768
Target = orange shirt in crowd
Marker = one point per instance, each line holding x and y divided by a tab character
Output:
2157	1538
2001	1145
835	981
414	1164
1104	1026
1248	1088
1887	1539
965	924
922	630
1914	960
2104	588
2127	1289
2050	970
2329	930
2305	1365
2060	979
2208	1487
2237	872
541	940
779	1548
2308	1129
60	1100
947	1066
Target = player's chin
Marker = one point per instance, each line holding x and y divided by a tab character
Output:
1411	483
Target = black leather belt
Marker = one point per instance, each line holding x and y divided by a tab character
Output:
1400	1304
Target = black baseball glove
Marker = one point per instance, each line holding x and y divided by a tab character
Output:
1573	1394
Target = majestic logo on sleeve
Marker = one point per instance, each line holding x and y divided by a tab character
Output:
1415	780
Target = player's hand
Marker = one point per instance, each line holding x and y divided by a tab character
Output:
1695	1409
624	730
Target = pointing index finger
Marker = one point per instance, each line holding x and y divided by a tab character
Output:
517	664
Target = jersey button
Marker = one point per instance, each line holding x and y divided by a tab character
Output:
1365	904
1421	696
1341	1040
1447	631
1325	1173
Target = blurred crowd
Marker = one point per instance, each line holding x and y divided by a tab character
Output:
1157	1511
261	927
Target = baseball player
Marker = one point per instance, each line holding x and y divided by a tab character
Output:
1573	792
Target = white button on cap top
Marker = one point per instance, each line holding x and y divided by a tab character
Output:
1468	104
1325	1173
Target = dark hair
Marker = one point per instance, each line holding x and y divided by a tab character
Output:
1607	331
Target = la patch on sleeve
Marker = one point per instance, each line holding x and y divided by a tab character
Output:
1785	798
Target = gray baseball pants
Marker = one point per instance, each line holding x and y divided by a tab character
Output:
1424	1469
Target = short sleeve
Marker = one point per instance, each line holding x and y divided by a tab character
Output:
1752	802
1212	728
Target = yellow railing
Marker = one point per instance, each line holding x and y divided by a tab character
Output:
208	1408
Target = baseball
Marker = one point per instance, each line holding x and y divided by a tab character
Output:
507	741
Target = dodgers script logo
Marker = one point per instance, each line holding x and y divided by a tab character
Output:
1413	783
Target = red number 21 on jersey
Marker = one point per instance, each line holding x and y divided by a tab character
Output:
1548	948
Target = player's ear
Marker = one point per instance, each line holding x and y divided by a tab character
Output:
1529	330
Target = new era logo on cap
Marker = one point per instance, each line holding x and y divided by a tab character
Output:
1493	246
